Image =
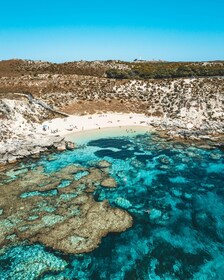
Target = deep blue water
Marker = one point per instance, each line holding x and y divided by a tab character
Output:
175	193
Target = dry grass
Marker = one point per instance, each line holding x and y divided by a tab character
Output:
100	106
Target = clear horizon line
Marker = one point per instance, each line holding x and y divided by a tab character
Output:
119	60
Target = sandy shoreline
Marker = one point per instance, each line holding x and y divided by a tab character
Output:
58	134
75	123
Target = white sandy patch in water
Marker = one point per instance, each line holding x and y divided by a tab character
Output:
83	137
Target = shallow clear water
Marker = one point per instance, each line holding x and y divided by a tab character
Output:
175	193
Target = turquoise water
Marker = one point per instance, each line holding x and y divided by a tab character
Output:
175	193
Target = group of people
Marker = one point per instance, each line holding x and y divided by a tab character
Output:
46	127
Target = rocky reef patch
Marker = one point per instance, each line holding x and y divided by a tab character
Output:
169	196
58	210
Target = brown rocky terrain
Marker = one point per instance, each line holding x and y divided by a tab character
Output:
194	98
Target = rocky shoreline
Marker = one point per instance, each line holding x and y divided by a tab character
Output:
19	137
32	145
21	150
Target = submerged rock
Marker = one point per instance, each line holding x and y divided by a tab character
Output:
103	164
58	210
122	202
37	262
109	183
155	214
70	145
84	233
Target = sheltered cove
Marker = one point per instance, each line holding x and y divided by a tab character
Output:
59	209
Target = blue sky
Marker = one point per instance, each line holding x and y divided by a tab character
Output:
89	30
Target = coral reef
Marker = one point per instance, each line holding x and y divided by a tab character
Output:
172	190
58	210
37	262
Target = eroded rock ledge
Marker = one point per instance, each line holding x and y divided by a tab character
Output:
58	211
18	136
16	150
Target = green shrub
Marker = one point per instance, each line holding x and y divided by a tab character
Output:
159	70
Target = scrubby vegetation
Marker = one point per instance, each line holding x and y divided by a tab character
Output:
113	69
18	67
150	70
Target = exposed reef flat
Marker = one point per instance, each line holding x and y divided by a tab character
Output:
58	211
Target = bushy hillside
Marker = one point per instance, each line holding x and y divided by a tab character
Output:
150	70
114	69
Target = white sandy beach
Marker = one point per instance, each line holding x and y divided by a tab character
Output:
76	123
